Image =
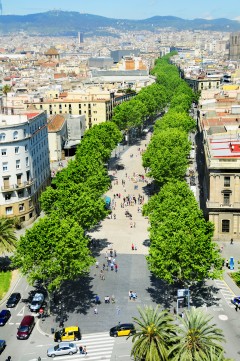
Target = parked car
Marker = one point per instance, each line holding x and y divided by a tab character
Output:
13	300
63	348
26	327
124	329
71	333
236	301
4	317
37	302
2	345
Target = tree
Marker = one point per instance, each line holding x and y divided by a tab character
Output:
181	247
6	89
7	235
154	335
166	155
52	251
175	119
198	338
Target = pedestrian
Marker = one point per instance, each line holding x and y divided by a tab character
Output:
112	266
236	307
103	267
97	264
95	311
231	242
182	315
116	267
132	247
135	248
227	262
174	310
134	224
106	254
111	253
115	253
85	350
130	295
114	216
81	350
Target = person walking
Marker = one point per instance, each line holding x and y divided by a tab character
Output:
85	350
132	247
116	267
95	311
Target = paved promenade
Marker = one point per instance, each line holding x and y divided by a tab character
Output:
122	232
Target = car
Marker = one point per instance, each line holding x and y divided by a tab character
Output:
2	345
4	317
37	302
13	300
70	333
236	301
63	348
123	329
26	327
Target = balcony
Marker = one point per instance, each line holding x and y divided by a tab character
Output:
14	187
234	205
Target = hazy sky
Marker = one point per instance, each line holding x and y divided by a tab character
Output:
130	9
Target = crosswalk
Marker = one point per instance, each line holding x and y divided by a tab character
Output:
225	291
99	347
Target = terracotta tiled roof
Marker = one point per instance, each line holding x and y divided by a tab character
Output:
52	51
55	123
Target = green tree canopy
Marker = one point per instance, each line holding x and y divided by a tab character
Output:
53	250
154	335
7	235
181	248
198	338
166	155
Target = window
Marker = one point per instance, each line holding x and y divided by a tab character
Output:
8	210
7	196
15	135
226	199
27	162
26	147
16	150
21	207
24	133
22	219
2	137
226	181
4	152
18	164
5	166
20	194
225	226
30	203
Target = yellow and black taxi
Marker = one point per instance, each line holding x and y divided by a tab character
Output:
71	333
122	329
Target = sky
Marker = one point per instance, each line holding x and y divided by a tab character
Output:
130	9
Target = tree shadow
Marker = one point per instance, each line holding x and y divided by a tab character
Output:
201	294
97	245
5	263
146	242
79	301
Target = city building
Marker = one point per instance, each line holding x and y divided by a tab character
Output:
234	46
24	162
219	125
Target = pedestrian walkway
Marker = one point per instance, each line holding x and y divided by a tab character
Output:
127	226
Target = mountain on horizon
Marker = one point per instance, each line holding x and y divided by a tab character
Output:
63	23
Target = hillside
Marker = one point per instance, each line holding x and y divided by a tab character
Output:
57	23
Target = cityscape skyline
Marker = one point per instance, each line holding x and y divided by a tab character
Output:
136	9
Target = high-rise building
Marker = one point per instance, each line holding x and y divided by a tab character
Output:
234	46
80	38
24	164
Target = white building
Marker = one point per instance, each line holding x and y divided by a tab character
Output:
24	164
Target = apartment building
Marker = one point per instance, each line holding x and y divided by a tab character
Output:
219	125
97	108
24	164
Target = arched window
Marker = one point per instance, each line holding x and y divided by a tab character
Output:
2	137
15	135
